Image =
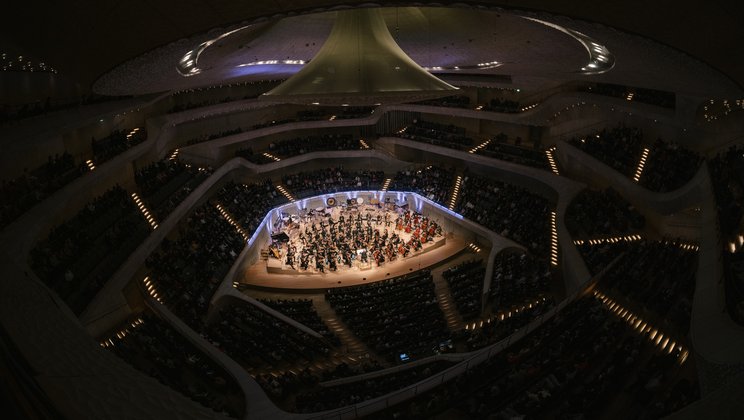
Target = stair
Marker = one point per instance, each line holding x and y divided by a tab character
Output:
446	302
264	254
285	193
353	345
386	185
455	192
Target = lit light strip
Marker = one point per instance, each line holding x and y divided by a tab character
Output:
363	144
480	146
528	107
272	62
132	133
146	213
502	315
174	155
475	248
386	185
270	156
90	164
553	240
614	239
151	288
661	340
601	60
232	221
630	96
285	193
641	164
687	246
187	65
551	160
122	333
455	193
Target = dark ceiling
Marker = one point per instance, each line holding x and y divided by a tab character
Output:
85	39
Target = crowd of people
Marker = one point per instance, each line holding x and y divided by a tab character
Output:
19	194
432	182
330	180
446	135
79	255
329	397
337	113
299	146
166	183
564	369
656	277
500	148
465	281
518	278
398	318
303	311
669	166
116	143
619	147
456	101
502	105
511	211
602	213
156	349
648	96
598	256
258	340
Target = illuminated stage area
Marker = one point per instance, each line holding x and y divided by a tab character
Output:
352	238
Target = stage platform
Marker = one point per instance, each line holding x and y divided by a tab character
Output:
264	275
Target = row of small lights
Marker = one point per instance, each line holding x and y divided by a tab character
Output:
727	108
109	342
480	146
386	185
231	221
455	192
272	62
202	89
528	107
553	240
133	132
665	343
173	155
551	160
363	144
641	164
22	64
687	246
502	315
270	156
611	240
145	212
151	289
475	248
285	193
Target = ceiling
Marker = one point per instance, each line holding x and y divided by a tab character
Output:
85	40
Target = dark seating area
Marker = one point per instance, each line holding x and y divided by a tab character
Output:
570	367
258	340
619	147
249	203
602	214
657	278
599	256
456	101
156	349
328	397
432	182
19	194
669	166
465	282
116	143
648	96
499	148
79	256
336	113
511	211
450	136
298	146
186	271
324	181
166	183
502	105
518	279
303	311
394	317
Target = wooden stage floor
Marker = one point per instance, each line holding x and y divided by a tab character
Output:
259	276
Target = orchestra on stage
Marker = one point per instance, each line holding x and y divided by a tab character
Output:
350	235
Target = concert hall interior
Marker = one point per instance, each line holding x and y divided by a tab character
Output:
334	210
